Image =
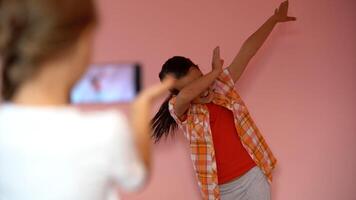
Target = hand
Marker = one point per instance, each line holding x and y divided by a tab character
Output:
281	13
217	62
157	90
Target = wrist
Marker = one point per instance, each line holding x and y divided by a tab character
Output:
217	71
274	18
141	101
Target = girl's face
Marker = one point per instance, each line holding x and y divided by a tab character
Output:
193	74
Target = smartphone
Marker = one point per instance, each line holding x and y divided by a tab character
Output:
107	84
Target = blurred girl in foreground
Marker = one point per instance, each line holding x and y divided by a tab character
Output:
49	150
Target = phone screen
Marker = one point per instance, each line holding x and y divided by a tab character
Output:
108	83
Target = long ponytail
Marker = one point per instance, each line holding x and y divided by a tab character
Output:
163	123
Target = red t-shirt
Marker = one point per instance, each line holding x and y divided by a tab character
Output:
232	159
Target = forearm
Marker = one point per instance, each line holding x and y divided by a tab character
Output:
140	122
250	48
194	89
256	40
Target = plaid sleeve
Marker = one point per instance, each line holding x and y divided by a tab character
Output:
181	121
224	82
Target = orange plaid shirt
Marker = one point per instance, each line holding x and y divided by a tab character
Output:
196	128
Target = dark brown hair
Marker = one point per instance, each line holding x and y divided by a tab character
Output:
33	31
163	123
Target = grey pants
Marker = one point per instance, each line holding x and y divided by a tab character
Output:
251	186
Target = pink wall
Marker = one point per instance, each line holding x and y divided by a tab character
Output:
300	87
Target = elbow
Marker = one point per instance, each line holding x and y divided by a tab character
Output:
185	96
139	184
137	181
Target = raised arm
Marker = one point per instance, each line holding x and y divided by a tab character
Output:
140	117
256	40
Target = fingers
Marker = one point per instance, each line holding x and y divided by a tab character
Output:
159	89
162	88
216	53
284	5
217	62
288	19
291	18
282	12
168	82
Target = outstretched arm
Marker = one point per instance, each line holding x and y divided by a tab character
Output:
256	40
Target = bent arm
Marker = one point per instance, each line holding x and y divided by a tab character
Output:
190	92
